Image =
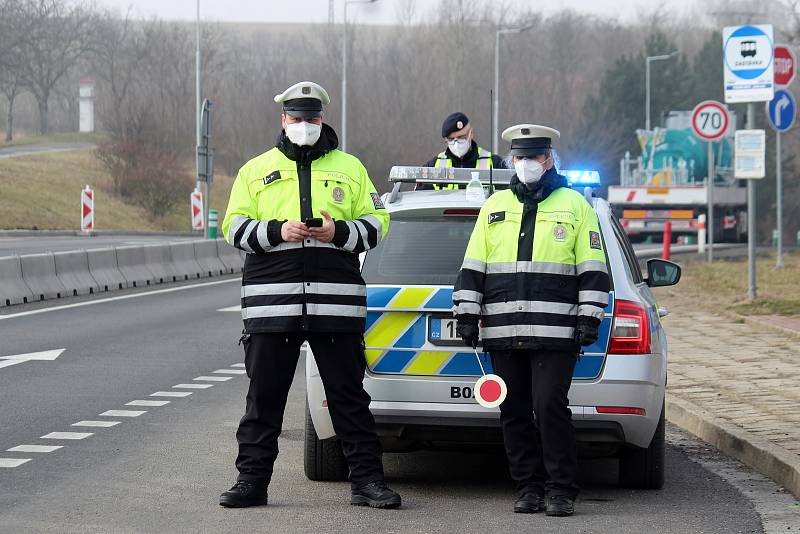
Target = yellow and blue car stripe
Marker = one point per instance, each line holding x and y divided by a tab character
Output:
397	342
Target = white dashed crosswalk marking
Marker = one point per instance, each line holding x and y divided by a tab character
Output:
171	394
35	448
237	365
147	403
193	386
123	413
13	462
101	424
67	435
230	371
213	378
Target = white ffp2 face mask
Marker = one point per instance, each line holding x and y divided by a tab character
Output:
459	147
303	133
529	171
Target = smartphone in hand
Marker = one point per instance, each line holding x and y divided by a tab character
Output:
314	223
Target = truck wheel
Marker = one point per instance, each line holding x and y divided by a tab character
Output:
644	468
323	460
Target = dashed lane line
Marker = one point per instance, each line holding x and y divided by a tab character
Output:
147	403
34	448
213	378
13	462
171	393
123	413
230	371
237	365
193	386
100	424
67	435
236	308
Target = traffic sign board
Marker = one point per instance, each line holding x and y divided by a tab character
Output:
710	120
781	110
749	68
749	154
87	209
784	65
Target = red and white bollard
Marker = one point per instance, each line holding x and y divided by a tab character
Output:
87	209
701	233
667	240
197	210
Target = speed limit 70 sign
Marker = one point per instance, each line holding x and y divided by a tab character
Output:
710	120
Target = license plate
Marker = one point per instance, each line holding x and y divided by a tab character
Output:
442	331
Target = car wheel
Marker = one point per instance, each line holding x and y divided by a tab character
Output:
644	468
323	460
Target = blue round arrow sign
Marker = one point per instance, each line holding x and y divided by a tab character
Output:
781	110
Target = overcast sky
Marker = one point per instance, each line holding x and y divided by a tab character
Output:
382	12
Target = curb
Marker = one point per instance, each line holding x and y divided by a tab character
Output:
751	320
94	233
775	462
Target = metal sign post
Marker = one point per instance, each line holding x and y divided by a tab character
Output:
710	121
205	160
749	158
781	112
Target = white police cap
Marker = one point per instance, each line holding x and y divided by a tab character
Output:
304	90
530	139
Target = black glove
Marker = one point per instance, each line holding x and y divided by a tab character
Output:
586	330
467	329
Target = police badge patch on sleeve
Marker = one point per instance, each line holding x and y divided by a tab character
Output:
594	240
376	199
497	217
268	179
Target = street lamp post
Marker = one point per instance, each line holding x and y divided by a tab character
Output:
344	69
496	105
647	84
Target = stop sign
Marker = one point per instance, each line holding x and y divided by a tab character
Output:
784	65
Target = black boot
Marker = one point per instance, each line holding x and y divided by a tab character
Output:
244	494
560	506
529	503
375	494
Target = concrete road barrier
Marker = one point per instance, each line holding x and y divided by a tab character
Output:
205	252
39	273
131	263
13	289
158	259
72	268
230	257
184	263
103	268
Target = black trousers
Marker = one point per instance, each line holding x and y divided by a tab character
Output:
270	361
537	429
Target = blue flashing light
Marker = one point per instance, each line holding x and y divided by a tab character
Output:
577	178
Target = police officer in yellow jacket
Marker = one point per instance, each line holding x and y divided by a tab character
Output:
461	150
535	274
303	211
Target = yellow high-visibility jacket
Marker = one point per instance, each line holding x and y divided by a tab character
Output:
532	267
310	285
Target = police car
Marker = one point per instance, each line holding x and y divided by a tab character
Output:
421	376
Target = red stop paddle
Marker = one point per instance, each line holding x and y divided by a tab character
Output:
490	390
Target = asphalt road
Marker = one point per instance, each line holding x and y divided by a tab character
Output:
164	469
26	150
34	244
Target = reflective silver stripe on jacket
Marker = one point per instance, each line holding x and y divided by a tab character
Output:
280	310
542	267
257	290
530	306
376	223
327	288
469	307
591	265
592	296
352	238
591	311
474	265
339	310
527	330
236	225
466	294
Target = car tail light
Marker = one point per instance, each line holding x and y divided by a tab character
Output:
620	410
630	333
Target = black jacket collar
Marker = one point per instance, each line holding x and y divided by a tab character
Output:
328	141
549	182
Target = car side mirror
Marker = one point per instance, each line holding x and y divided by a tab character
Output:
661	273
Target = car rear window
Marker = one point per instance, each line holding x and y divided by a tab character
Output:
420	251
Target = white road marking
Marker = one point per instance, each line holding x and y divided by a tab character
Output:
193	386
231	371
213	378
47	355
67	435
113	299
123	413
171	393
13	462
147	403
237	365
237	308
35	448
101	424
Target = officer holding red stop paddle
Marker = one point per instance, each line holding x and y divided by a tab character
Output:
535	273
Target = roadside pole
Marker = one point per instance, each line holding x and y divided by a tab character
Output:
710	209
779	192
752	291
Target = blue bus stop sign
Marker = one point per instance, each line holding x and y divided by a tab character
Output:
781	111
